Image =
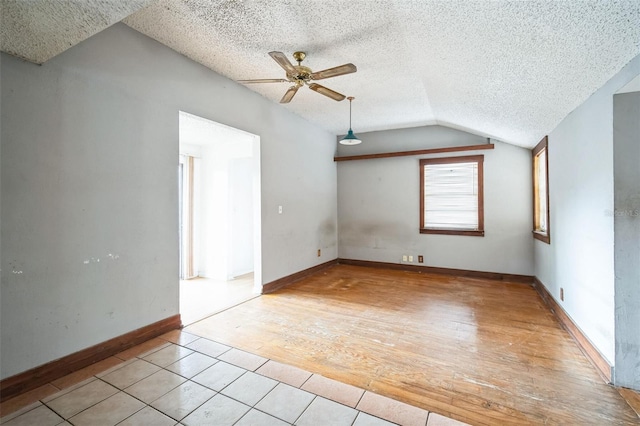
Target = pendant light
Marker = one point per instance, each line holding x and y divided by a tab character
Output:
350	138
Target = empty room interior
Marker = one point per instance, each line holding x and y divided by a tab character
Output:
307	212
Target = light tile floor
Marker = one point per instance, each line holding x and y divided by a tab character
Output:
183	379
201	297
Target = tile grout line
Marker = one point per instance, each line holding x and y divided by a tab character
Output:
84	409
305	408
360	399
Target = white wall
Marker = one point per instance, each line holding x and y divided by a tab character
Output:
89	170
214	232
379	204
226	232
240	217
580	256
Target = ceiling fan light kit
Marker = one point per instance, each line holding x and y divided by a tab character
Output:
350	138
301	75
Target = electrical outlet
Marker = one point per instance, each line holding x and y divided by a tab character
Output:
319	252
279	209
404	257
410	258
420	259
562	294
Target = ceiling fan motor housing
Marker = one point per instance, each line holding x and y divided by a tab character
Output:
303	74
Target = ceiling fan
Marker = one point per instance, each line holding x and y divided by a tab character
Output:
300	75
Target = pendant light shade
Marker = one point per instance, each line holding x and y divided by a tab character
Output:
350	138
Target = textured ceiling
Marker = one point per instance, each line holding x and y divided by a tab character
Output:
38	30
511	70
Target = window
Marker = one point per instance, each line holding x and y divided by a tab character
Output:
451	196
541	191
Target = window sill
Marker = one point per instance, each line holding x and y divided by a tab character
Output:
468	233
545	238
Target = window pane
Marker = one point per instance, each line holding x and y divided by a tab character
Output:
451	178
451	196
541	190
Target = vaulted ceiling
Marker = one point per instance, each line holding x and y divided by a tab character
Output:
511	70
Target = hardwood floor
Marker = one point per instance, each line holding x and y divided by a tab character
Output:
632	397
481	351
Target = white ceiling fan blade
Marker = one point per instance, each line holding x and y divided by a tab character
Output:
334	72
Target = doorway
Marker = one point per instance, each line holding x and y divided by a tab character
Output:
219	217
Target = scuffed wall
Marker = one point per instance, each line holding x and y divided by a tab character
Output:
90	195
379	204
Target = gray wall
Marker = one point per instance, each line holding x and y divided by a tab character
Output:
580	257
379	204
89	190
626	164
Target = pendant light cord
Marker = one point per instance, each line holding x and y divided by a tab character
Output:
350	138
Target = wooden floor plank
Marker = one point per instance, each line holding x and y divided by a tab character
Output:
632	397
481	351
